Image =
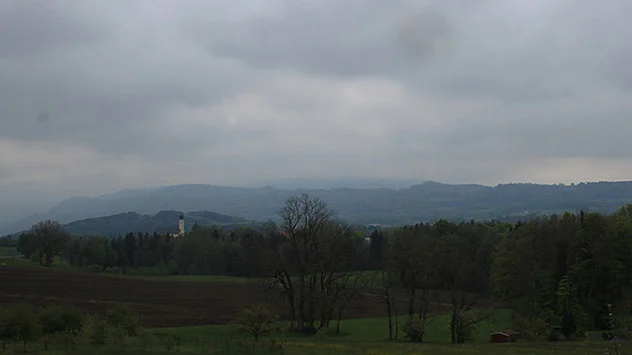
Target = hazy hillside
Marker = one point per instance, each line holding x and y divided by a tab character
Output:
423	202
123	223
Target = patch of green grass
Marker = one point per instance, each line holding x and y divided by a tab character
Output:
437	327
8	251
58	263
18	262
314	347
363	336
364	329
390	348
369	336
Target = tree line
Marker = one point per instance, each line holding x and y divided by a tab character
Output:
563	272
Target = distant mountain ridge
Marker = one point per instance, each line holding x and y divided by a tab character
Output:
423	202
162	222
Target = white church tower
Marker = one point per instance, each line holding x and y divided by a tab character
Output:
181	227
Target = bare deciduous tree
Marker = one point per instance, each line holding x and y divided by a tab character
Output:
310	263
257	321
382	289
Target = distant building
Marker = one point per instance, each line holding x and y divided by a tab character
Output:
181	227
174	231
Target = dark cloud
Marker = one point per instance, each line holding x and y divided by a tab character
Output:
333	38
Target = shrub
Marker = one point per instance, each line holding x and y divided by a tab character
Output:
257	321
126	318
464	326
552	335
67	340
530	328
19	322
172	266
148	340
172	341
414	330
35	257
96	330
321	334
57	319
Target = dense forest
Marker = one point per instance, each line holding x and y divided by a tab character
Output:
426	202
569	270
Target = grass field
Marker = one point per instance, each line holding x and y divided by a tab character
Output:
8	251
364	330
369	336
61	264
12	260
360	336
17	262
326	347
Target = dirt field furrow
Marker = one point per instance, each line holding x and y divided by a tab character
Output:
162	303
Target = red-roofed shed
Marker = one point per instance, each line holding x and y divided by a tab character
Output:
508	336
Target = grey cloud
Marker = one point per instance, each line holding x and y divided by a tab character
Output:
30	28
475	49
593	127
114	95
351	38
235	92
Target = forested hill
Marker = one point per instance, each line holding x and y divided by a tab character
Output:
163	222
423	202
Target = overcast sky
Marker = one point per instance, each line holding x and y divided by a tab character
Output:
96	96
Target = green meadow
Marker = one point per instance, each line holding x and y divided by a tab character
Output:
8	252
359	336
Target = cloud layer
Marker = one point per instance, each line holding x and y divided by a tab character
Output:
97	96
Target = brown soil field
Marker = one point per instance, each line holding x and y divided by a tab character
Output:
162	303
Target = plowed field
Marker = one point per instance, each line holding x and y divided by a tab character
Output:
162	303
